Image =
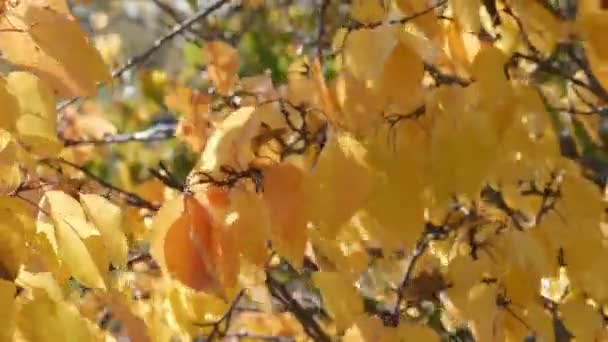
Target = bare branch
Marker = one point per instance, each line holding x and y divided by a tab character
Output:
308	322
421	246
161	131
217	330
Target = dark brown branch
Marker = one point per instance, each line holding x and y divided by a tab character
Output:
231	177
421	246
548	67
496	199
225	320
395	118
130	198
166	177
308	322
443	78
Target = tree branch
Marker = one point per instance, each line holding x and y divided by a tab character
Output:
357	25
131	198
160	131
216	330
309	323
158	44
421	246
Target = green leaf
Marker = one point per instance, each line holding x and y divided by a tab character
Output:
192	54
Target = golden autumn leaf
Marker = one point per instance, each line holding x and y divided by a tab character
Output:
285	198
466	13
7	314
369	11
222	65
252	225
43	319
366	50
228	144
194	126
37	122
52	45
10	107
79	244
107	218
332	198
340	297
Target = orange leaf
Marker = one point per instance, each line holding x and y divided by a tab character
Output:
183	257
284	195
223	64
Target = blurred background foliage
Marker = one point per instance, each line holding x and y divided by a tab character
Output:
269	37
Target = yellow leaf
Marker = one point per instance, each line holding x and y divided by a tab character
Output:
360	106
467	14
339	297
78	242
222	65
332	198
369	11
543	28
7	313
366	50
107	217
592	25
40	280
230	143
427	23
416	332
194	127
43	319
10	107
402	74
37	124
582	320
367	329
10	178
54	47
252	225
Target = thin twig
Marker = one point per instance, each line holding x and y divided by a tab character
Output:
131	198
400	21
225	319
421	246
177	30
308	322
158	44
155	133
